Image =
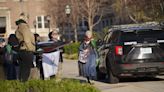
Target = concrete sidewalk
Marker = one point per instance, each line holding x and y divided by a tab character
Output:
69	69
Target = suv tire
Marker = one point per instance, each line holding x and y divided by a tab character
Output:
111	77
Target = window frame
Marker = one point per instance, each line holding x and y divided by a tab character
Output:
43	21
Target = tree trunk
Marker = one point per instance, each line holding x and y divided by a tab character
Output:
90	24
75	35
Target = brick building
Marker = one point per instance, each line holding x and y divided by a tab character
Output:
35	9
11	9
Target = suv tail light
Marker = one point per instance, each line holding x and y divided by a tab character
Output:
119	50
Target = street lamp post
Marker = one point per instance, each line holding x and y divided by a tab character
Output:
68	12
48	17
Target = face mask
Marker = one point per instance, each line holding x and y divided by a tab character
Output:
87	42
58	37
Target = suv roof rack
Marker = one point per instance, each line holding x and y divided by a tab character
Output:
132	27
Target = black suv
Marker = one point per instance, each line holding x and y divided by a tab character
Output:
135	50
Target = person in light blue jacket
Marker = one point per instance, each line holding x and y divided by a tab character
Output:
87	58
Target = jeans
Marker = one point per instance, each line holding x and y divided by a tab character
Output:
25	63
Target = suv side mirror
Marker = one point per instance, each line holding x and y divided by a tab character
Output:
99	42
162	24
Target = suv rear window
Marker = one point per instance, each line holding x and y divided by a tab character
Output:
140	36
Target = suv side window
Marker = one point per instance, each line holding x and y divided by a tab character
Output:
107	37
111	37
114	37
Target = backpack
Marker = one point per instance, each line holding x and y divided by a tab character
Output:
8	54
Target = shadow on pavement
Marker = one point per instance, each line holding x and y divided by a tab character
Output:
139	79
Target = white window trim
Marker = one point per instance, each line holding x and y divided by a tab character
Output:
42	22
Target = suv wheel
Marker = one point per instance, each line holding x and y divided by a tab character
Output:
111	78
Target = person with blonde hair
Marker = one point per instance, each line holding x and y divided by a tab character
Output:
27	47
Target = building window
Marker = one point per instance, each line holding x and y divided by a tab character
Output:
2	25
46	24
39	21
42	22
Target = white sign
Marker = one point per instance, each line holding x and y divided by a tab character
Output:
160	41
130	43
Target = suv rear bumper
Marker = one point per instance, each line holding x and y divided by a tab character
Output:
142	69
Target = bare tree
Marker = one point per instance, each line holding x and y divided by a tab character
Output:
139	10
90	9
51	8
128	12
75	17
121	11
56	10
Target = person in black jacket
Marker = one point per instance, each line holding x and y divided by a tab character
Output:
11	59
2	72
38	56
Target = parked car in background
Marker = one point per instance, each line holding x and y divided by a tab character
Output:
134	50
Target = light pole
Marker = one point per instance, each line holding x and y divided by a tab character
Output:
68	12
34	23
48	17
